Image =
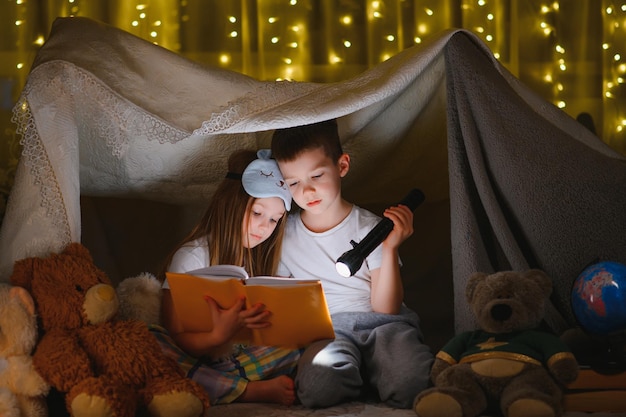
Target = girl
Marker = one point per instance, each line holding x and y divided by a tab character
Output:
243	225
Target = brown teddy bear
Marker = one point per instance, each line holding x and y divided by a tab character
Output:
104	366
22	389
507	365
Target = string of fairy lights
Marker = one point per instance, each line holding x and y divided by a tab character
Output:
325	40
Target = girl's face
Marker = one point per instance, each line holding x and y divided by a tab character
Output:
261	220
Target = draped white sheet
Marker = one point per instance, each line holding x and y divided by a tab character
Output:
107	114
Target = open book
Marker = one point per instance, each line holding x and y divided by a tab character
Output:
298	306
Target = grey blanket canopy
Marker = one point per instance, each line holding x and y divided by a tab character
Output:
108	114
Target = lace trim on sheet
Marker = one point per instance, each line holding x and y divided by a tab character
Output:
111	118
268	95
36	159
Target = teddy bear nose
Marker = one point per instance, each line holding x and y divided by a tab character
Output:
501	312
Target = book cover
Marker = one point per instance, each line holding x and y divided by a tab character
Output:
298	306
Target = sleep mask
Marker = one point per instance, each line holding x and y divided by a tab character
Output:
262	179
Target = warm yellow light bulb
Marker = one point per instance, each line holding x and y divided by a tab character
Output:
605	46
293	45
390	38
559	49
347	43
272	19
232	19
334	59
490	16
489	38
428	11
233	34
140	7
561	104
617	57
134	23
39	41
153	34
224	58
20	65
274	39
346	20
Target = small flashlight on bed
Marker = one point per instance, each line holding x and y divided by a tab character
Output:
351	261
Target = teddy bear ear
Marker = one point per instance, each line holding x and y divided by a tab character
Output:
76	249
21	295
22	275
472	283
541	279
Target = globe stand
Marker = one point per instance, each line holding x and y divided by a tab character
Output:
601	382
606	354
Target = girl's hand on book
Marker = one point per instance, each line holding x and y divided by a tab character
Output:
256	317
226	321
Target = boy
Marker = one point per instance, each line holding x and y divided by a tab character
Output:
378	342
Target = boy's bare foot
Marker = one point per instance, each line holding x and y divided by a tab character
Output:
279	390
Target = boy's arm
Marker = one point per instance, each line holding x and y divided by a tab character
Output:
387	291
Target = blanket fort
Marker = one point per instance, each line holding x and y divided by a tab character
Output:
108	114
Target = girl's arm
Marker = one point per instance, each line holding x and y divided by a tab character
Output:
227	322
387	291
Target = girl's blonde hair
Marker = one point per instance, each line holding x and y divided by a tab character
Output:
222	225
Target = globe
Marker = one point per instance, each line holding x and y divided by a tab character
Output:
599	298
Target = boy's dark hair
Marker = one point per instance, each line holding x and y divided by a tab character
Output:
289	142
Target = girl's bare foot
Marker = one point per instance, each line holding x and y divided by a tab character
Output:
279	390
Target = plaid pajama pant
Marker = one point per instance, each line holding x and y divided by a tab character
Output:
225	379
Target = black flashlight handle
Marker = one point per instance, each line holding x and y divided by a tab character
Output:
380	232
354	257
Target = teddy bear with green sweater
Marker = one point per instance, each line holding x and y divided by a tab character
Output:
507	366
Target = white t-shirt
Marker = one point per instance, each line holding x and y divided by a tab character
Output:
307	254
192	255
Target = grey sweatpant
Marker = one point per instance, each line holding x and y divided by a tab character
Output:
370	350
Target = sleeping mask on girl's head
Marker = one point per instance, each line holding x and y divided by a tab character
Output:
262	179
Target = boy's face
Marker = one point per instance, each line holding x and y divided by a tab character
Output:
314	179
